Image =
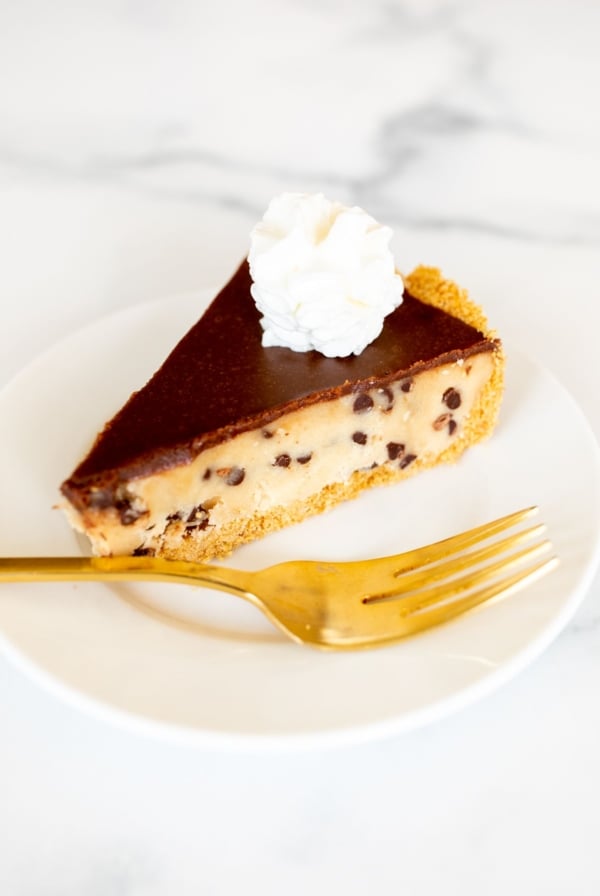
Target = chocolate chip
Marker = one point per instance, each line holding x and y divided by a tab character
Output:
406	460
389	397
143	552
451	398
395	450
173	516
197	526
304	459
267	434
360	438
362	403
129	507
407	385
198	513
232	475
128	514
442	421
197	519
207	473
282	460
236	475
445	420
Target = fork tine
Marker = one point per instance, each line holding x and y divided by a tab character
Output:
450	610
444	569
417	557
411	601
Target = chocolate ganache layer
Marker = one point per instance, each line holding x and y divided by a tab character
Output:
220	381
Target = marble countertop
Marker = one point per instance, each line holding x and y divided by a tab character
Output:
139	142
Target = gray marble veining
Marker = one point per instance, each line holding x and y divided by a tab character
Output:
414	110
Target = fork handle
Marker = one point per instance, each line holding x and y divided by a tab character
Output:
124	569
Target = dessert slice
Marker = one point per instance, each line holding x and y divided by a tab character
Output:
232	438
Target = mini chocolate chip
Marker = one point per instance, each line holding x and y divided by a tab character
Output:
452	424
127	512
362	403
304	459
197	519
207	473
282	460
395	450
173	516
451	398
407	385
143	552
406	460
360	438
267	434
389	396
198	513
441	421
232	475
236	476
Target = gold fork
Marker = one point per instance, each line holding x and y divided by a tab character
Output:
354	604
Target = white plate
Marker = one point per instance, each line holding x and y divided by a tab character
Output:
233	680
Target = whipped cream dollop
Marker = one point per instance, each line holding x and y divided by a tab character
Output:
323	275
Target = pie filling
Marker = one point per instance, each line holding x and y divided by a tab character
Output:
231	491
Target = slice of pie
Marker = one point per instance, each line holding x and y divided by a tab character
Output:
231	440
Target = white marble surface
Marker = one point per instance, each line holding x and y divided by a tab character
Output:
138	143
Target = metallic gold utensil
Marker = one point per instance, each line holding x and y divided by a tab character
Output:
339	606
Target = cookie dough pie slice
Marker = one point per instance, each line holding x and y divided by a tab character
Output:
235	436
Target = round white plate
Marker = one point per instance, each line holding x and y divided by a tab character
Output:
232	680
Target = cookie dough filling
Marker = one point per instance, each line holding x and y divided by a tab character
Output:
296	466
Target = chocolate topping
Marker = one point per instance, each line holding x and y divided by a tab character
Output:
219	381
